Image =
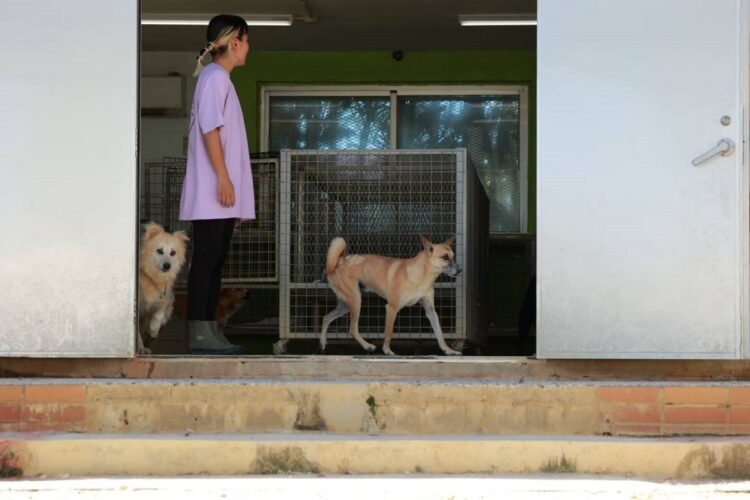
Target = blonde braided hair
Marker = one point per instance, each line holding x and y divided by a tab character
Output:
218	46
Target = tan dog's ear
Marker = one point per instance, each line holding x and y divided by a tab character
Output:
182	235
426	244
449	241
152	228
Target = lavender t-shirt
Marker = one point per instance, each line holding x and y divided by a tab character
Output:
216	105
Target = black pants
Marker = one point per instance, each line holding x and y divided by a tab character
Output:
210	247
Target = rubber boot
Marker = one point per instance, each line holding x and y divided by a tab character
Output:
202	340
219	334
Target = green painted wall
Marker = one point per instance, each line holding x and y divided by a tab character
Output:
331	68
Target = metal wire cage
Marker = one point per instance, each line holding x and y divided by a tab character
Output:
380	202
252	257
160	199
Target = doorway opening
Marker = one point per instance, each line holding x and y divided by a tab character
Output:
305	89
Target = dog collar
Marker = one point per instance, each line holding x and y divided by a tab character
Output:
162	294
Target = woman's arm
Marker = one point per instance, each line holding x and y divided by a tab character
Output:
216	155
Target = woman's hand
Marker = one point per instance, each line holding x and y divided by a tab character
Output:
225	191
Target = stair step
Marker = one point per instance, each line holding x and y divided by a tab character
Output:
374	407
321	453
494	368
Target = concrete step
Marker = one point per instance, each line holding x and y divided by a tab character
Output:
509	369
321	453
381	407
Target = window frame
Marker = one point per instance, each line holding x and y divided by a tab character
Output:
393	92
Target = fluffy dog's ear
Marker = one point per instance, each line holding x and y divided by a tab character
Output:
152	228
426	244
182	235
449	241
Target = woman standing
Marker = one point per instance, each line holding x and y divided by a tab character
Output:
218	189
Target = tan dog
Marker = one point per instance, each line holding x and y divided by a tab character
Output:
230	301
402	282
161	258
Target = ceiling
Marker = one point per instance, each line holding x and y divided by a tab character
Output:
344	25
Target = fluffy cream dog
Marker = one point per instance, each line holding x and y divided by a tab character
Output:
402	282
161	258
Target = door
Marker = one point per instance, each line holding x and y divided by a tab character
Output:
68	117
642	239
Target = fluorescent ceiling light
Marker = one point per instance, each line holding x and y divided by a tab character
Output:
497	20
202	20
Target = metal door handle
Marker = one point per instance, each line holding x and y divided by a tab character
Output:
725	147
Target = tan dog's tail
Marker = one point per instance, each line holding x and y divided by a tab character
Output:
335	251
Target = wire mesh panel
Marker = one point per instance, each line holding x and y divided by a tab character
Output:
160	201
380	202
252	256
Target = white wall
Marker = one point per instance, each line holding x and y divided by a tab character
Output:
160	137
68	195
163	136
